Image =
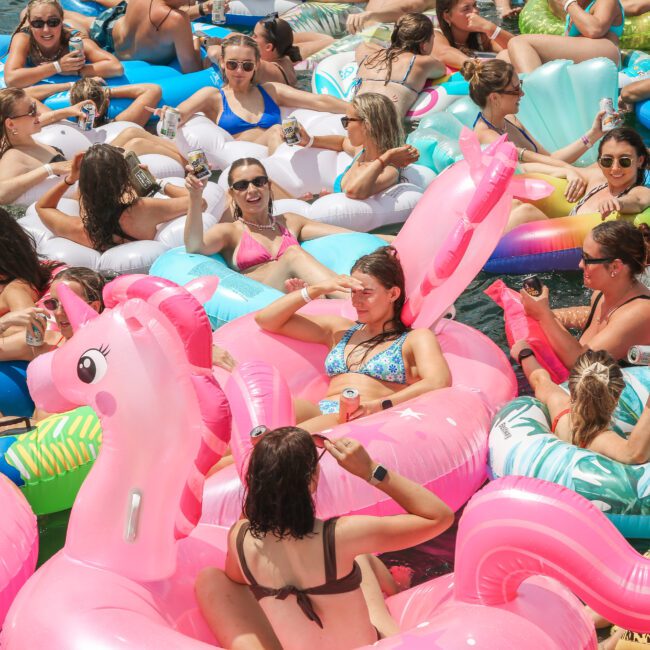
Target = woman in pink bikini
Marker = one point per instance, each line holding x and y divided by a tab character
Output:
256	243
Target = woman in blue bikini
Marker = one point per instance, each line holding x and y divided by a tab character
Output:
387	362
247	110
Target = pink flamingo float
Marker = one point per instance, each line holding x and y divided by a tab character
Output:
124	579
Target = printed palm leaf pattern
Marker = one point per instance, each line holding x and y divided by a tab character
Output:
322	17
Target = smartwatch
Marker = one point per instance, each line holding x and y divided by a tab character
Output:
377	475
386	404
524	354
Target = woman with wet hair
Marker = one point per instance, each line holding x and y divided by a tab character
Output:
111	211
583	416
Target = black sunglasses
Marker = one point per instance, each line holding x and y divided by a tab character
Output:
608	161
258	432
246	66
595	260
258	181
320	440
32	112
39	23
270	23
345	120
516	91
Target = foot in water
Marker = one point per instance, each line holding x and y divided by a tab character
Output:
294	284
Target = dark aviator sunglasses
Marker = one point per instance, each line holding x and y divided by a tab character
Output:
32	112
39	23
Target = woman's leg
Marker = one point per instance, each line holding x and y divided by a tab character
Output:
79	21
295	263
379	615
304	409
232	613
320	423
149	143
523	213
527	52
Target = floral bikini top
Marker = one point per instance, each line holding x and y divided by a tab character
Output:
387	365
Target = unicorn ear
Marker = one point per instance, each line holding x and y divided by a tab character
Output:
77	310
203	288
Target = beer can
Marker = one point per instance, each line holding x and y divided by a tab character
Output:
258	432
610	119
218	12
170	122
348	404
639	355
33	335
76	44
532	285
199	162
143	180
290	130
86	120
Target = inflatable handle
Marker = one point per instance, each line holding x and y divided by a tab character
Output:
520	326
258	395
517	527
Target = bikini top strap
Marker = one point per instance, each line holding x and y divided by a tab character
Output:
408	70
329	549
591	313
240	554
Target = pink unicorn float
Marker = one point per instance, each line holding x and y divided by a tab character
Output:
124	579
438	439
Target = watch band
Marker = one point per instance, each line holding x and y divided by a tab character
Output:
377	475
524	354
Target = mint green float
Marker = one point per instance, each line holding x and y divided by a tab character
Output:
537	18
522	444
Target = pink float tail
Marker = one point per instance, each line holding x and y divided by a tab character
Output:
518	527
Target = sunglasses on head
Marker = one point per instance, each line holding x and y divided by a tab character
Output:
32	112
258	181
39	23
595	260
270	23
516	91
261	430
608	161
345	120
246	66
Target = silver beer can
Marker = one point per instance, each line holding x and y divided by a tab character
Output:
610	119
290	131
218	12
171	120
76	44
86	120
199	162
639	355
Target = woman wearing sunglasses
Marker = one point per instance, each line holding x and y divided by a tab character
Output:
40	49
243	107
256	243
375	141
583	416
614	255
111	212
294	581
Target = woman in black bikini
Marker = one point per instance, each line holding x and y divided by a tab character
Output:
614	255
582	417
314	583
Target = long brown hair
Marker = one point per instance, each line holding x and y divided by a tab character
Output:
485	77
8	99
410	33
246	162
475	41
595	385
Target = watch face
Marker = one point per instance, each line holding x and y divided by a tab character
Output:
380	473
386	404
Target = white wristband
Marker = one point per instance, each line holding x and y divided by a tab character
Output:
57	66
163	182
310	143
497	31
305	295
567	4
49	170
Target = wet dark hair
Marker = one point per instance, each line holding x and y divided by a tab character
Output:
595	385
631	137
91	282
91	89
621	240
384	265
35	53
410	33
278	32
278	498
246	162
485	77
18	257
105	191
475	41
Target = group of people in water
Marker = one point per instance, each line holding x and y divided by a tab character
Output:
336	583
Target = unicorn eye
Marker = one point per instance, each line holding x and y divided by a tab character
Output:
92	366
